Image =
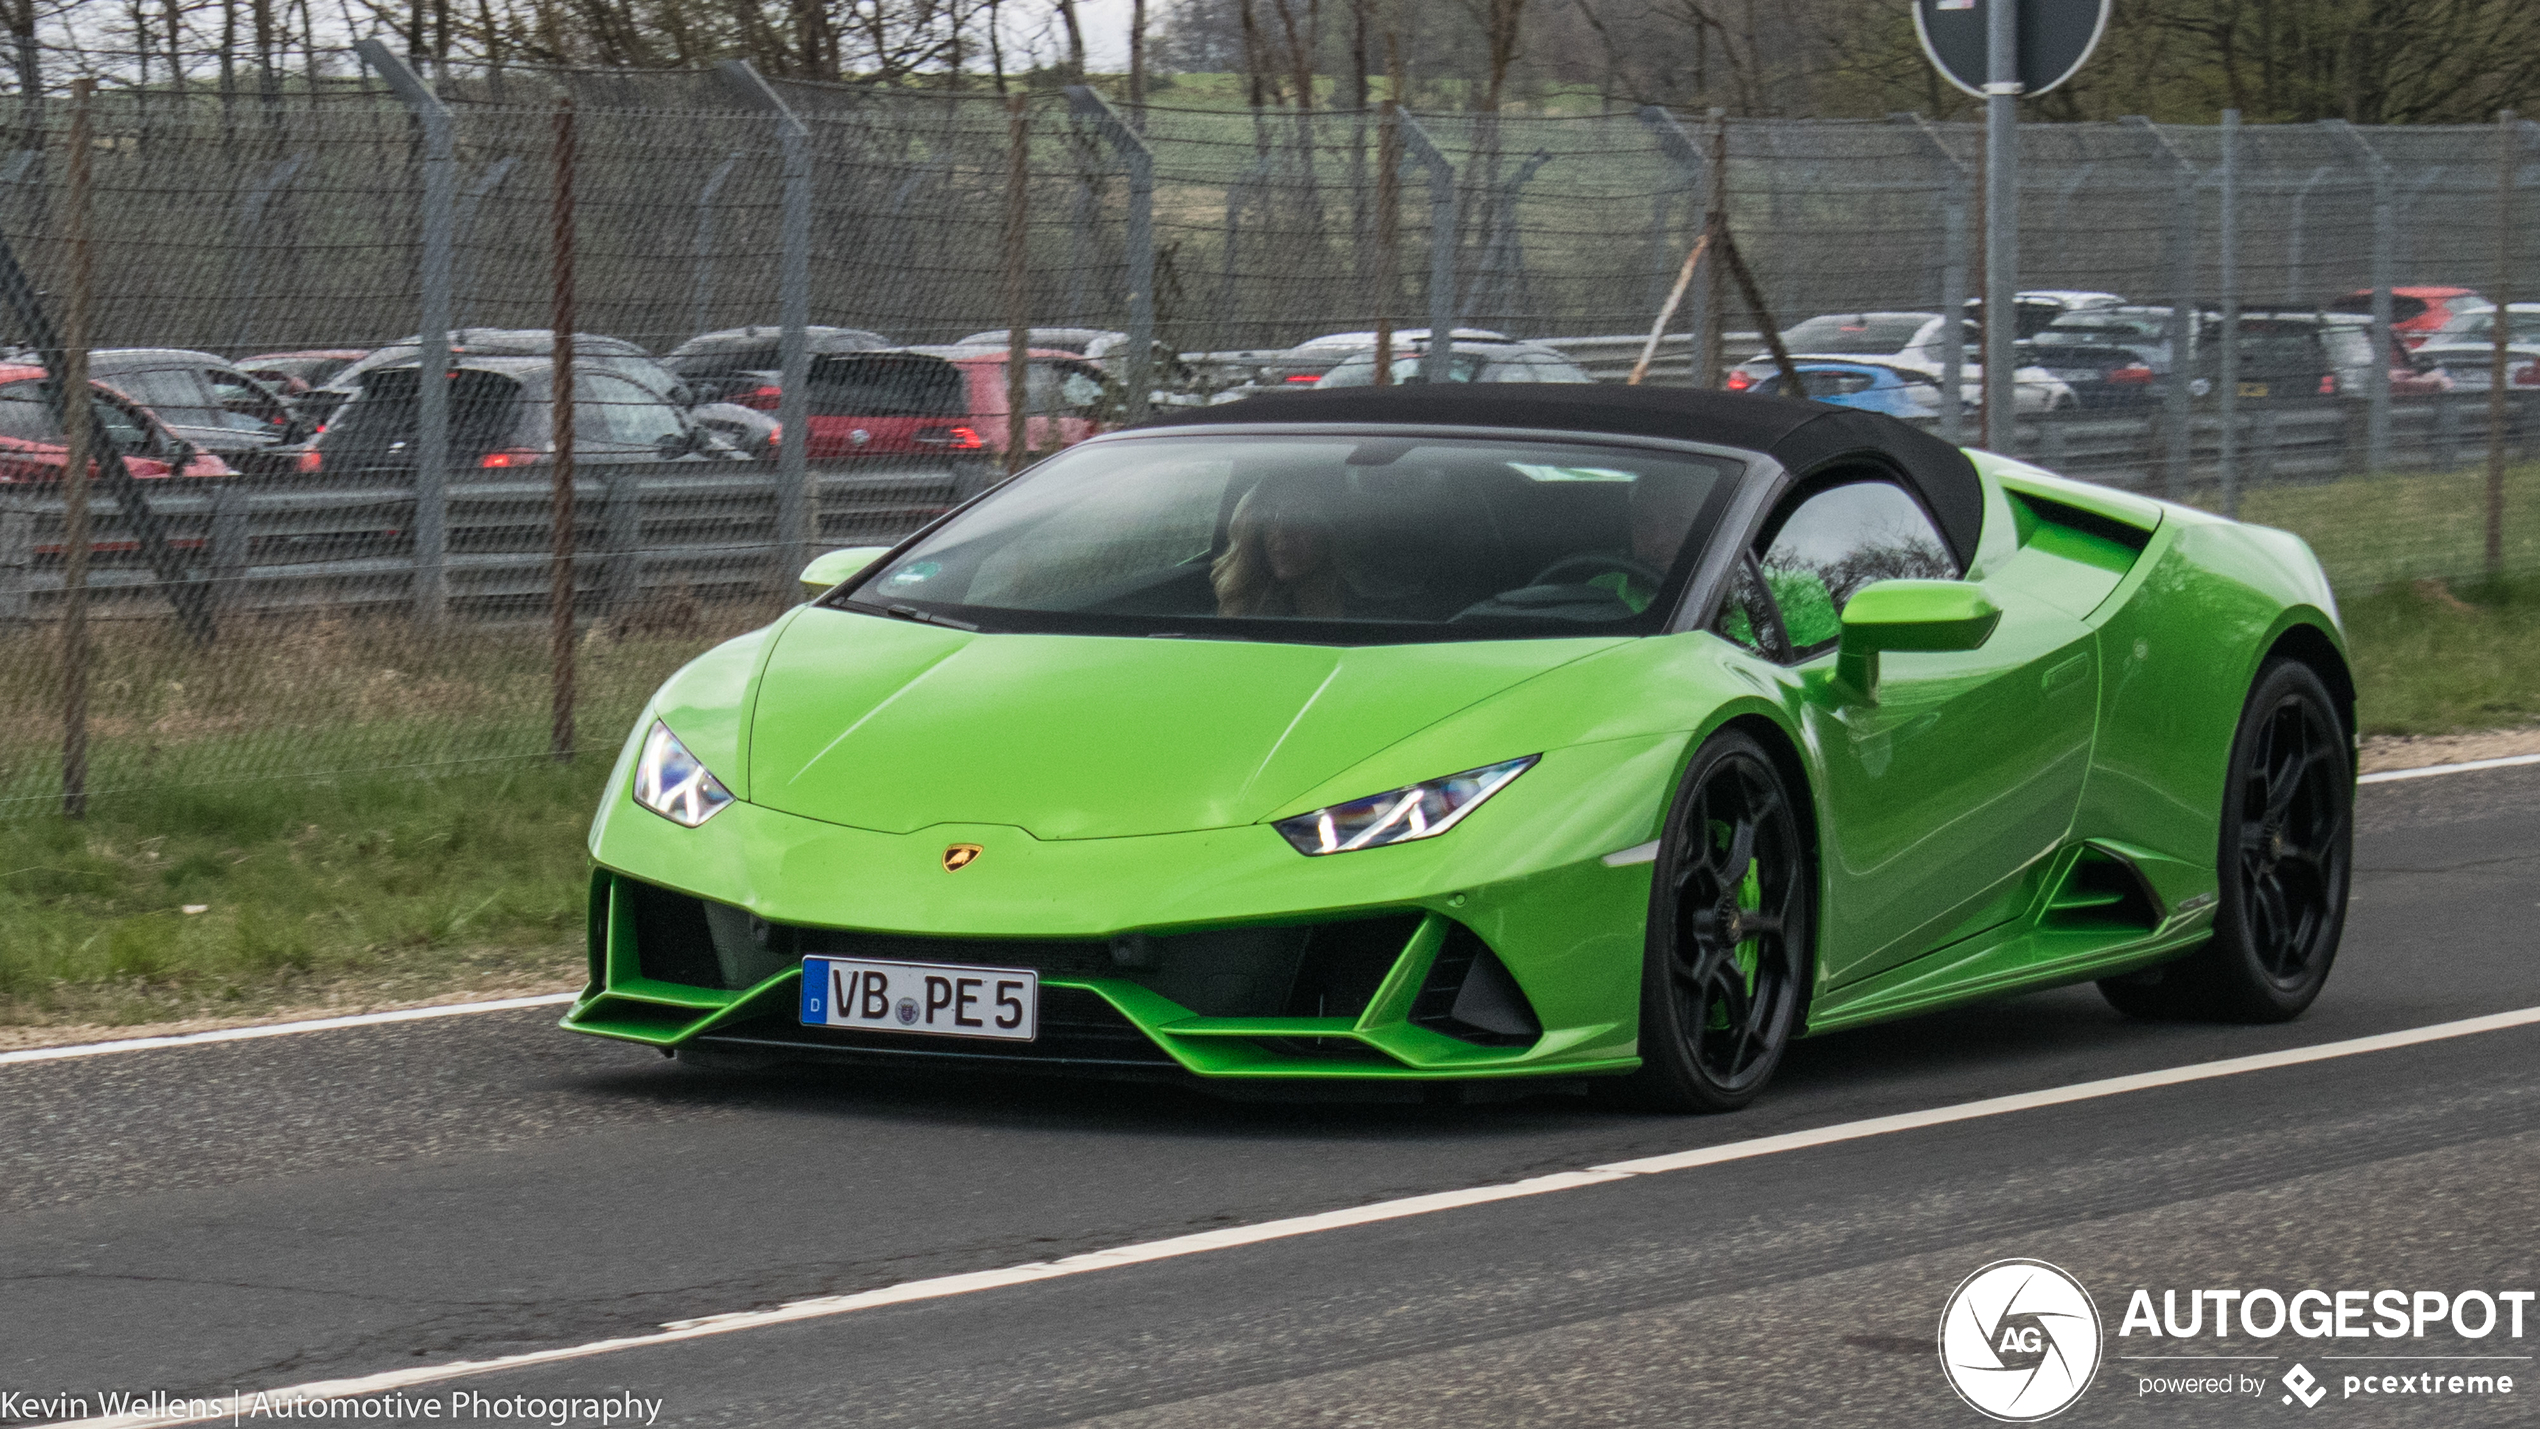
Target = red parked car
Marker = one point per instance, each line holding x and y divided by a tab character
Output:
31	445
2415	313
925	400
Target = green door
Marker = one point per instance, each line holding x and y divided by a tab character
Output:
1966	767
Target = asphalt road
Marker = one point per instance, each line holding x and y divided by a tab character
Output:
266	1213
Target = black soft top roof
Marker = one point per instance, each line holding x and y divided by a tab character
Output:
1803	436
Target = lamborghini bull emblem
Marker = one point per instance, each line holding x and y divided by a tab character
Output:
960	856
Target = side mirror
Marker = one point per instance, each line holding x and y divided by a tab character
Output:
672	445
838	567
1904	615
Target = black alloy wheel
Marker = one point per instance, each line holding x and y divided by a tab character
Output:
2285	859
1730	933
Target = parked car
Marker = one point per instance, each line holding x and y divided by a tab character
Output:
2464	347
590	349
1871	386
502	414
1082	341
1905	340
1467	362
2412	372
2041	308
32	448
1304	364
209	403
292	373
721	366
2469	368
949	400
2100	373
2416	314
1176	382
2476	323
2284	357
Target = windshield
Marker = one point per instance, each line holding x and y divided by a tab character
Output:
1855	332
1320	539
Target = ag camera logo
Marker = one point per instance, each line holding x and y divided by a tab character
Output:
2019	1341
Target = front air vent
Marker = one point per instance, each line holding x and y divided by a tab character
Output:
2102	893
1470	996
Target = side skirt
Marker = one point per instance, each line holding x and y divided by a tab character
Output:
2073	932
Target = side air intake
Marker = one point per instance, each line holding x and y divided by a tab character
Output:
1471	997
2102	893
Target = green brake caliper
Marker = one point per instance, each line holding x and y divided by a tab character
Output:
1750	897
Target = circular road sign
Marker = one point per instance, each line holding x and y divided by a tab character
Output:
2055	36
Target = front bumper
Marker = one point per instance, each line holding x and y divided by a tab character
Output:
1525	893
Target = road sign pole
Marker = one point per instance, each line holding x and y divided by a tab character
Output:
2001	219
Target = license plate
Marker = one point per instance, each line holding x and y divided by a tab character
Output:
939	999
2253	389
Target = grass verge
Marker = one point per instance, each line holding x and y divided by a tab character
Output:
243	898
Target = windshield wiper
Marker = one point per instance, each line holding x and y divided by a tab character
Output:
910	612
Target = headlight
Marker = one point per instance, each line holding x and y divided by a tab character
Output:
1400	815
670	782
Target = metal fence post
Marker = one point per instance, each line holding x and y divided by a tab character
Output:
705	241
797	500
2177	413
431	592
622	512
1138	242
251	266
2293	238
2227	277
17	561
2385	238
2508	159
1437	360
463	225
229	530
562	521
1956	182
2001	227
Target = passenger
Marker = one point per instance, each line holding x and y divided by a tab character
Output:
1279	556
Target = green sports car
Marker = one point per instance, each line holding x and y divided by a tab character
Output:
1437	733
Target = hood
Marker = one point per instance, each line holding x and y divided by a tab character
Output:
892	725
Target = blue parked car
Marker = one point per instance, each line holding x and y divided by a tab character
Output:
1897	391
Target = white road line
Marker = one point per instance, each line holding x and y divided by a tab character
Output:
2391	776
281	1029
1141	1253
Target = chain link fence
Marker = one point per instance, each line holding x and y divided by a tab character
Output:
402	608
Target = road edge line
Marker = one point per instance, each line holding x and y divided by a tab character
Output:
1144	1252
2466	766
281	1029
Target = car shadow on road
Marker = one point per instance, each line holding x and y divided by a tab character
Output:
2046	1038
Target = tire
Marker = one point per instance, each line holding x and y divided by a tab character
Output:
1731	932
2285	858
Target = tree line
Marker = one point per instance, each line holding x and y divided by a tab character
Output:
2367	61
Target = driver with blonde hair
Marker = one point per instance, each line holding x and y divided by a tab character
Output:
1279	558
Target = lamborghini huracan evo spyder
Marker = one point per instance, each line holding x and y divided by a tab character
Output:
1434	732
